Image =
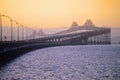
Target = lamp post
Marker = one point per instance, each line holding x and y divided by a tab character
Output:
11	26
33	34
26	33
30	33
1	27
17	29
22	32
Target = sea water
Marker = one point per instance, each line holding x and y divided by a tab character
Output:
82	62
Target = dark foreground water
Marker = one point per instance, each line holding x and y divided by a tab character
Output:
90	62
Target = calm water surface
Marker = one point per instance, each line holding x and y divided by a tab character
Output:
89	62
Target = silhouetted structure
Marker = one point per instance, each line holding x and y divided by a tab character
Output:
88	26
76	35
41	33
74	24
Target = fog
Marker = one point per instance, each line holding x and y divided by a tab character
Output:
115	33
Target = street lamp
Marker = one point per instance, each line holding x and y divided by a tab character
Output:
22	32
33	34
1	27
11	26
26	33
30	32
17	29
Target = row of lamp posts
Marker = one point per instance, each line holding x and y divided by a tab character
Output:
18	30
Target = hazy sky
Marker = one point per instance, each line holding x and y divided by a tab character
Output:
61	13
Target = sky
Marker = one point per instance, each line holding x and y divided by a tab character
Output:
61	13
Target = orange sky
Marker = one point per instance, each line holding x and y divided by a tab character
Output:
61	13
